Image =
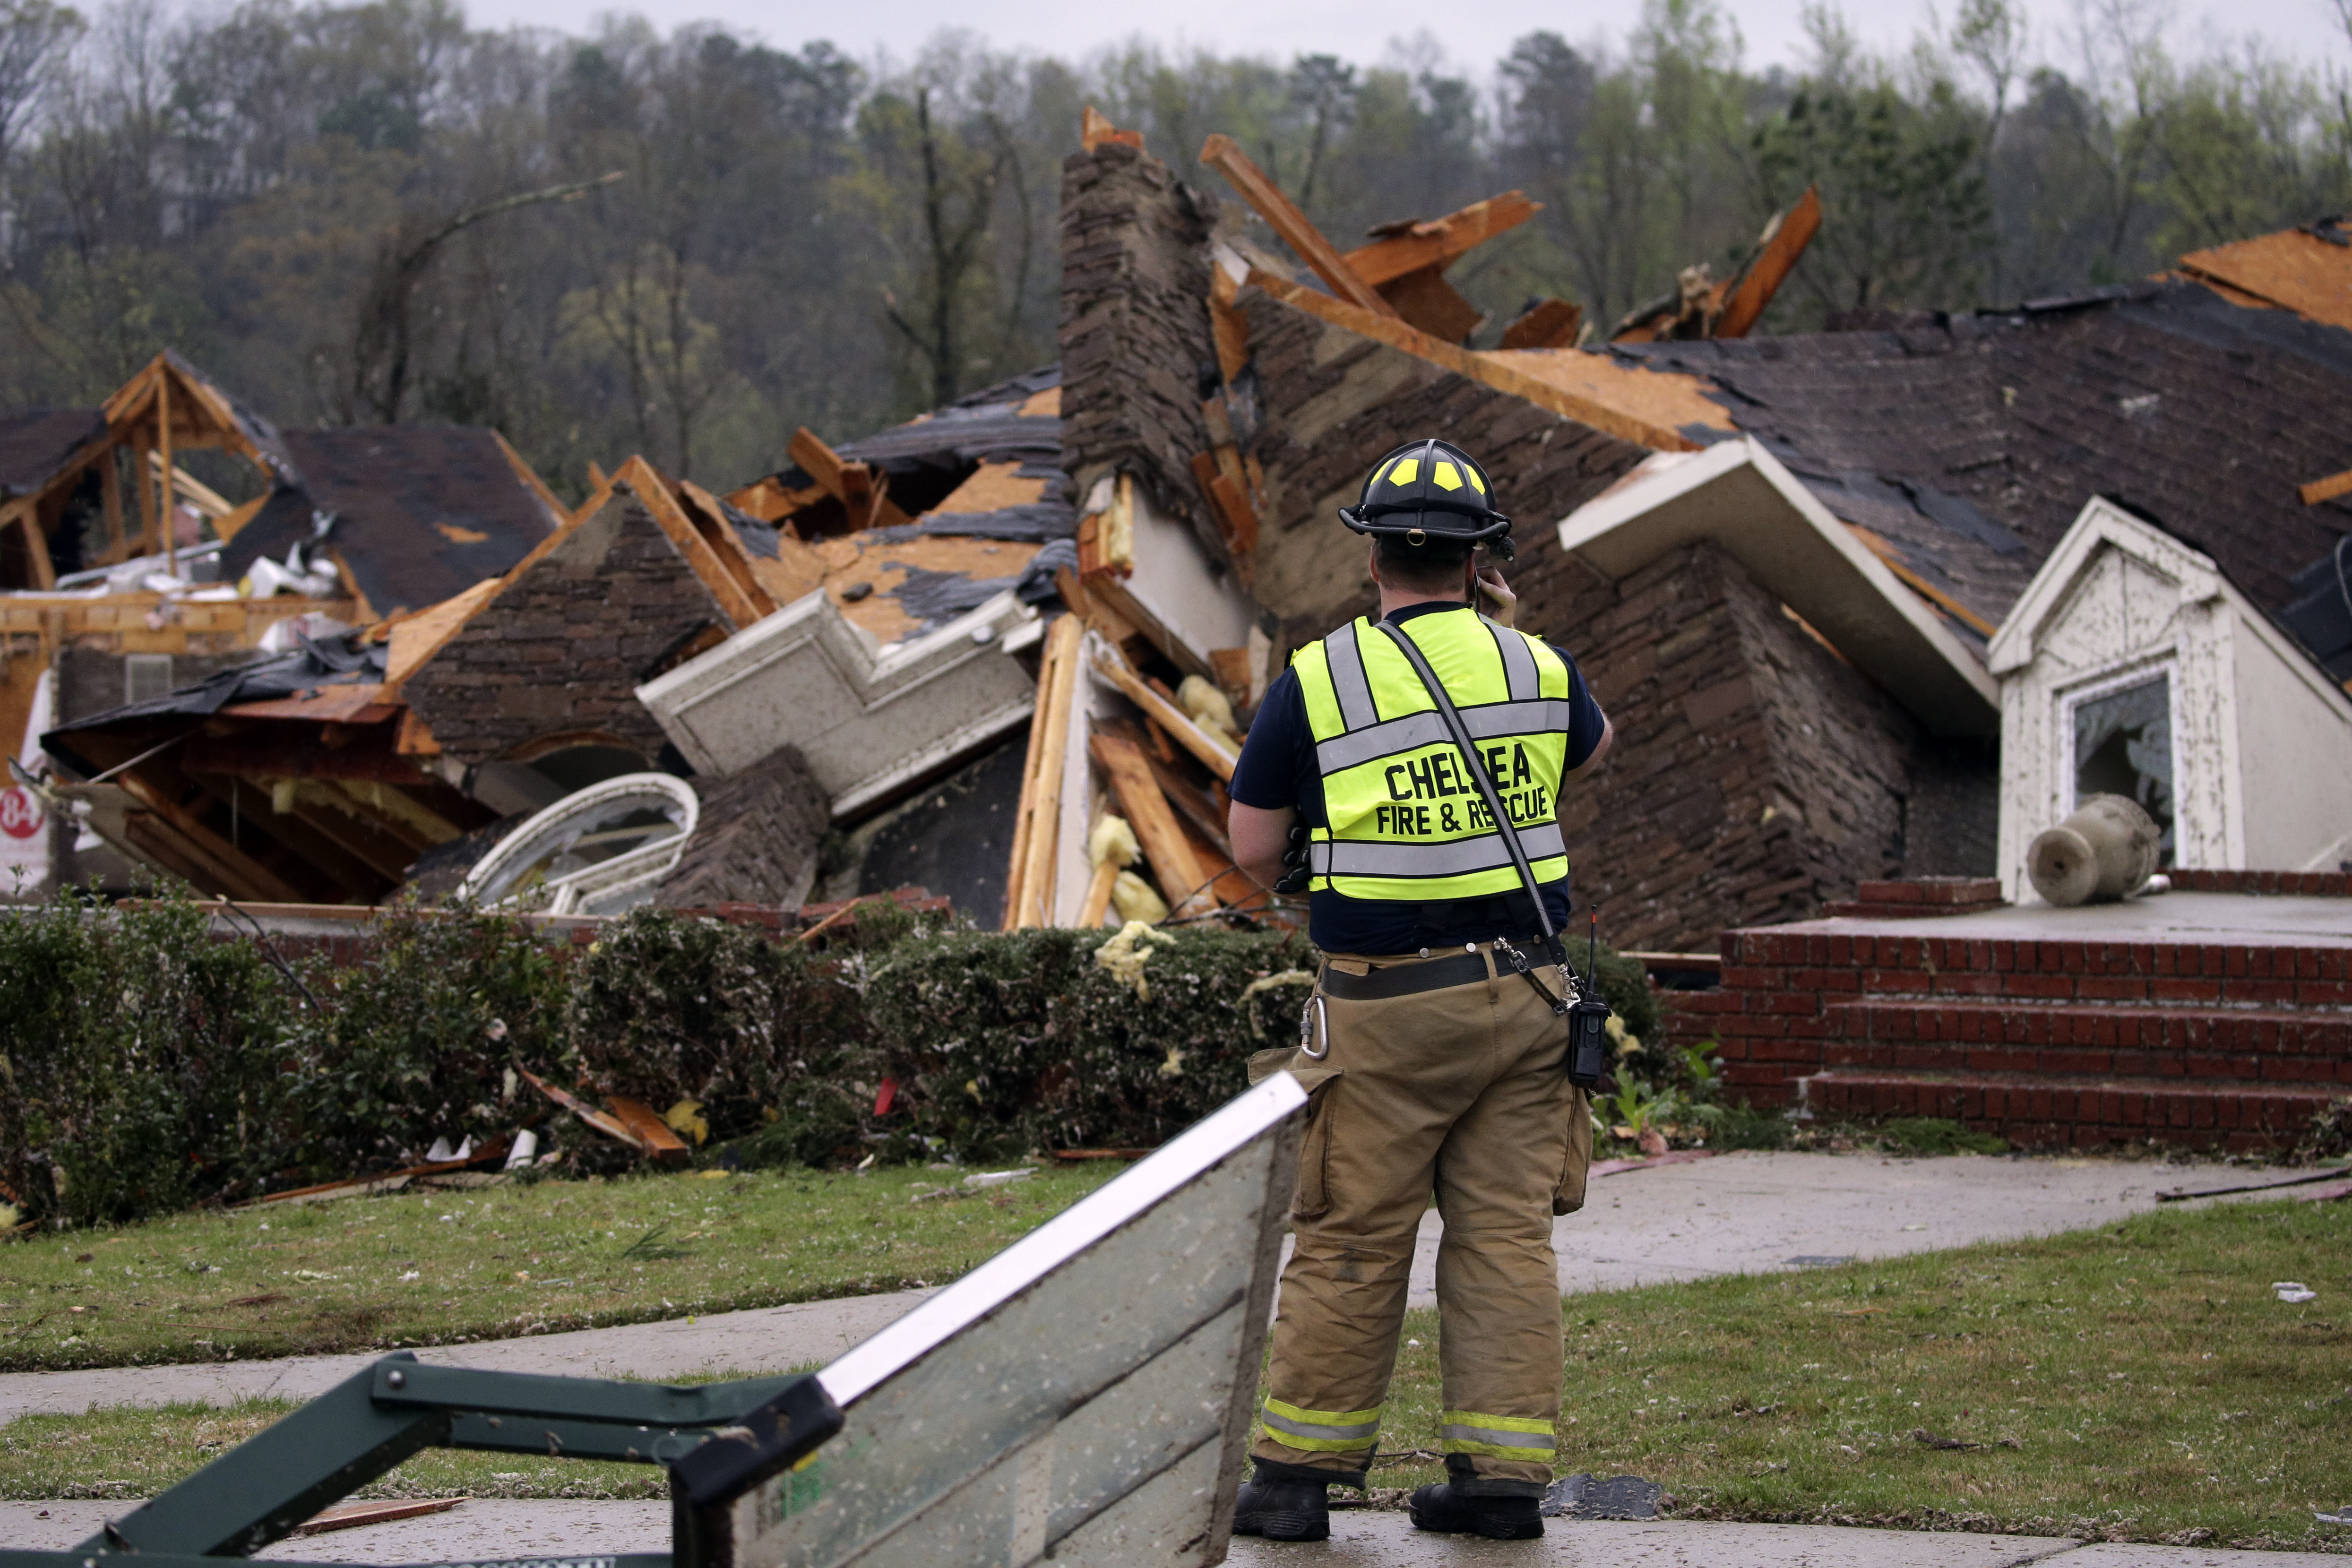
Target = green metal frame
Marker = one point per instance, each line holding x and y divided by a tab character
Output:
717	1441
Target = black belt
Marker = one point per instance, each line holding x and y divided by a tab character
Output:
1405	979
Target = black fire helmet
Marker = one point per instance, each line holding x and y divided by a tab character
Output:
1428	491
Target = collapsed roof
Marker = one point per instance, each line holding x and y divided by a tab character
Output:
1966	445
413	514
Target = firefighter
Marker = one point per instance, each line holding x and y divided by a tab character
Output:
1435	1058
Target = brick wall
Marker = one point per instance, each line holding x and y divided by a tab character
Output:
1336	402
1135	327
760	831
1755	774
565	646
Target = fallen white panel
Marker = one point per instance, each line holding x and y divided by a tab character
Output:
1188	607
1084	1395
869	719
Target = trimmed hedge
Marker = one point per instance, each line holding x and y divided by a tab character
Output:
146	1063
1005	1043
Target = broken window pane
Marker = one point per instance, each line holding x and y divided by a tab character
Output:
2122	745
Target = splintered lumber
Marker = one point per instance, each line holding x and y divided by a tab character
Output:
1219	152
1237	518
351	1515
2328	489
1171	717
1234	887
1037	828
1095	129
162	537
37	543
1777	254
856	486
1181	877
1549	324
1098	901
1414	245
1426	300
1226	322
610	1126
660	1140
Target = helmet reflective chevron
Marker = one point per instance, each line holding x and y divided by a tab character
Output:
1428	491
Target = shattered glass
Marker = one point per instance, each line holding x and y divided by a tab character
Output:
2122	745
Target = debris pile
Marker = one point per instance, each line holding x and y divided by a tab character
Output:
1008	649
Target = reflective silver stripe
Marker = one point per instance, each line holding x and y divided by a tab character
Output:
1345	662
1409	734
1365	1431
1496	720
1549	715
1534	1442
1519	663
1485	852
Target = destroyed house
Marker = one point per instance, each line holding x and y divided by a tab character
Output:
128	578
1780	562
406	752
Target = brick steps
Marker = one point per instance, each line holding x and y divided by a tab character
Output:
2229	1042
2127	1040
2039	1108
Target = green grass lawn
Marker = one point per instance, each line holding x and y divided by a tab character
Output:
2138	1382
433	1267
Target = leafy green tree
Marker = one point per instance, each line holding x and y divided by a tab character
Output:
1905	216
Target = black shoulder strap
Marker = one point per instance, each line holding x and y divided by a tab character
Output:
1453	727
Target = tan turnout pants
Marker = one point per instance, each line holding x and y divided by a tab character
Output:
1463	1092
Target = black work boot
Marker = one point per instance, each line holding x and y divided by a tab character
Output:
1445	1508
1281	1506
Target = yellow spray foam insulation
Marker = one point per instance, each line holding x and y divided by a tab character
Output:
1112	840
1126	954
1137	901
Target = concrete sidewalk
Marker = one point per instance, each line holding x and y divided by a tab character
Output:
1742	1213
488	1530
767	1338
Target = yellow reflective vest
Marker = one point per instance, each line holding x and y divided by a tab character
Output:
1404	821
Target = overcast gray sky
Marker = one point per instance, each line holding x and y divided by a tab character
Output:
1474	35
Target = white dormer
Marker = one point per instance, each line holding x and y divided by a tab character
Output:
2131	666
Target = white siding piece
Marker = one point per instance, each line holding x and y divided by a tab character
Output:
2262	741
2289	810
1189	607
869	719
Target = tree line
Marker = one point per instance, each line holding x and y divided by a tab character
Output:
687	245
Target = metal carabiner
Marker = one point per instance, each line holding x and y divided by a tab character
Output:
1313	1024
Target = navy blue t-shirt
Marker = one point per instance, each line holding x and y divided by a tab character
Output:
1277	770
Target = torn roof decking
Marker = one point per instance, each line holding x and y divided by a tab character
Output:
423	512
983	479
988	465
2295	270
280	779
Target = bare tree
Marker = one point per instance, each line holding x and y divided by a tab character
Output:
382	337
